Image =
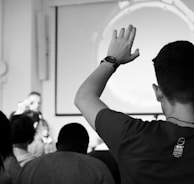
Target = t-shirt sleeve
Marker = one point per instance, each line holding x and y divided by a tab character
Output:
113	127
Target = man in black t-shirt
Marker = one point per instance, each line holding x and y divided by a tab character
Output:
147	152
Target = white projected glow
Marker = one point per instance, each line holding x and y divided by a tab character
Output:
157	24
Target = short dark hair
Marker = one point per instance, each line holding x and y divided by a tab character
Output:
5	139
23	130
33	115
73	137
34	93
174	71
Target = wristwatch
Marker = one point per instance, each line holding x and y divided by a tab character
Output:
112	60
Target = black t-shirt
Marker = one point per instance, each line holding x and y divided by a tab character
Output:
155	152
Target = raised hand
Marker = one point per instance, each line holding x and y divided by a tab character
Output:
120	46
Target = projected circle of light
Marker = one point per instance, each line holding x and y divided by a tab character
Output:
139	86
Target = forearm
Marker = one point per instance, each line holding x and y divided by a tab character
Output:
91	90
96	82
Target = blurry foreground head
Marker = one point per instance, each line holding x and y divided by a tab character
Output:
73	137
23	129
5	139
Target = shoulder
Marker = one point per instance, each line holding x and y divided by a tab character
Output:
116	118
66	166
113	123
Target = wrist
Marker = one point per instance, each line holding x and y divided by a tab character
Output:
111	61
108	65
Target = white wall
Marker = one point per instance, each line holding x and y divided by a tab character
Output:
19	53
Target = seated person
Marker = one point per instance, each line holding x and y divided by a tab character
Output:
34	101
43	132
39	145
23	132
43	143
9	167
69	164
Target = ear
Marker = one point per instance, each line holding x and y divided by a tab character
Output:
158	92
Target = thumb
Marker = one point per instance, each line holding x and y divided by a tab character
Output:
134	55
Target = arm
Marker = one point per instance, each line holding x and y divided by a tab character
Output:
88	95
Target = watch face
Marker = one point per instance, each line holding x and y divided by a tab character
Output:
111	59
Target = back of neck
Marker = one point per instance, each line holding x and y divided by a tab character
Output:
181	114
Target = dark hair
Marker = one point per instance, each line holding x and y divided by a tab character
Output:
34	93
5	139
33	115
23	130
174	71
73	137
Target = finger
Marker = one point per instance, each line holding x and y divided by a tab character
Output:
114	34
134	55
122	32
128	31
132	36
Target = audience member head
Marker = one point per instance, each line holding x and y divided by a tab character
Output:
73	137
5	139
34	101
40	124
34	115
44	128
23	130
174	72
